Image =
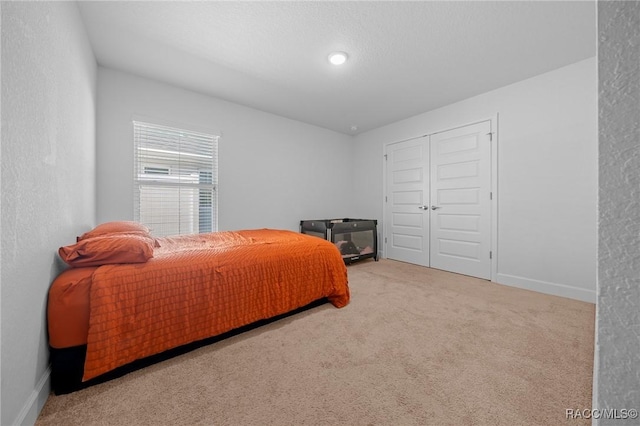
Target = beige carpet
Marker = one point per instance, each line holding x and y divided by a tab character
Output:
416	346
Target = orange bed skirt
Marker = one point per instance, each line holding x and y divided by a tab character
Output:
195	287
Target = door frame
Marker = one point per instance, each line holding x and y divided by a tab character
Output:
493	120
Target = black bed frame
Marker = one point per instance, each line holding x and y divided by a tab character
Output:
67	364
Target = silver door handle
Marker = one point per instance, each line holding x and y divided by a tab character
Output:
423	207
435	207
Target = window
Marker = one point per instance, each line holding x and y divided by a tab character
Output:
175	179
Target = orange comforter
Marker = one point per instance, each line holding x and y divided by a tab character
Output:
197	286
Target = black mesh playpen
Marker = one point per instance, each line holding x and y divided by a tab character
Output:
357	239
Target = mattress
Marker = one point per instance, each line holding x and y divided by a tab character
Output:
194	287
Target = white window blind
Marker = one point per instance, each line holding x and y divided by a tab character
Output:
175	179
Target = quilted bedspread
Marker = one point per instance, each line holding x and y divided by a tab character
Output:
199	286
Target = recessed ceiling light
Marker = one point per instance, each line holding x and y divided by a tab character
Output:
354	128
338	58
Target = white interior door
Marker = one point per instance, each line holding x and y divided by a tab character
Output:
461	200
406	201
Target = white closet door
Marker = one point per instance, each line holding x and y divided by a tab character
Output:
406	201
460	200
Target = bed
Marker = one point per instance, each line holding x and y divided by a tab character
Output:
178	291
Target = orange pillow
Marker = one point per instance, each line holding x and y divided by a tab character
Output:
117	227
109	249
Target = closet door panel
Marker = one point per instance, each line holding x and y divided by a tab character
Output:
406	201
460	182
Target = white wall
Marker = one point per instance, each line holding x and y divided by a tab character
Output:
617	351
273	172
48	181
547	175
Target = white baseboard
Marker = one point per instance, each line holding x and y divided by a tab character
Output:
547	287
31	409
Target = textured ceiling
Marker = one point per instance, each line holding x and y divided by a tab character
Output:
405	57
